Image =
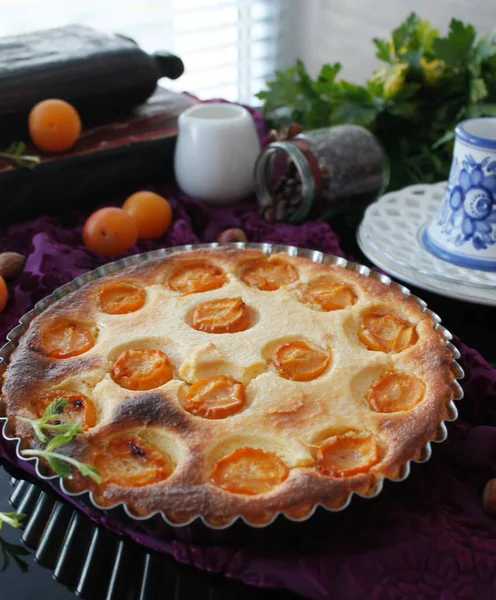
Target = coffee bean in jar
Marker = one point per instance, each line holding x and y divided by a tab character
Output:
320	173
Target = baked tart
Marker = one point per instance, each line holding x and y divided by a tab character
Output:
223	382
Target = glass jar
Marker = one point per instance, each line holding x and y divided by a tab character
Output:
320	173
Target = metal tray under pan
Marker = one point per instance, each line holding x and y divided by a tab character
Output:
157	524
98	565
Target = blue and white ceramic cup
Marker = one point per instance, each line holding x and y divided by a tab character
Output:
464	229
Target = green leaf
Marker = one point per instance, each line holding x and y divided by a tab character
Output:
456	48
59	466
393	79
318	115
88	470
36	424
14	551
412	58
37	428
28	161
355	104
426	34
481	110
54	408
15	153
488	72
16	148
402	34
326	80
406	110
478	90
486	46
294	89
283	90
64	438
383	50
305	81
51	412
57	463
447	137
13	519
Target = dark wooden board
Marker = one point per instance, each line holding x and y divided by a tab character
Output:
113	158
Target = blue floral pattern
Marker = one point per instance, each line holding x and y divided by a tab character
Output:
468	212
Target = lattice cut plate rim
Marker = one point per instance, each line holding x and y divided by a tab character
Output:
87	497
394	244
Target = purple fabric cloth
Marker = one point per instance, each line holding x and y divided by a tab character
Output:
427	537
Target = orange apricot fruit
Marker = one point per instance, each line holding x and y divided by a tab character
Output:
300	362
196	276
4	294
129	461
64	338
79	409
222	315
54	125
121	298
386	333
328	295
142	369
249	471
109	231
347	454
151	212
395	392
269	275
215	397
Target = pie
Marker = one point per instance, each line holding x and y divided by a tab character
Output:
222	382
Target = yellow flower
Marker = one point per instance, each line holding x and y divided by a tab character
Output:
393	79
431	70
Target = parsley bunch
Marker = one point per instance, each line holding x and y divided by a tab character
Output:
428	84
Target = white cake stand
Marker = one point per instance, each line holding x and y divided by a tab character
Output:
390	236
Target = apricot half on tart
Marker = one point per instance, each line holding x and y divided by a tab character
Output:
328	295
196	276
347	454
121	298
222	315
129	461
299	361
79	408
386	333
64	338
395	392
269	275
215	397
249	471
141	369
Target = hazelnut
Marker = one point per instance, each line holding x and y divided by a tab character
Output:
11	264
228	236
489	498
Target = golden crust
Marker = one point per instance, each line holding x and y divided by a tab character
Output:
288	418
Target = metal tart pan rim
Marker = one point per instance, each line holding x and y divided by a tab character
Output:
87	497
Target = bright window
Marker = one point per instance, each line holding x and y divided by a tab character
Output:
229	47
